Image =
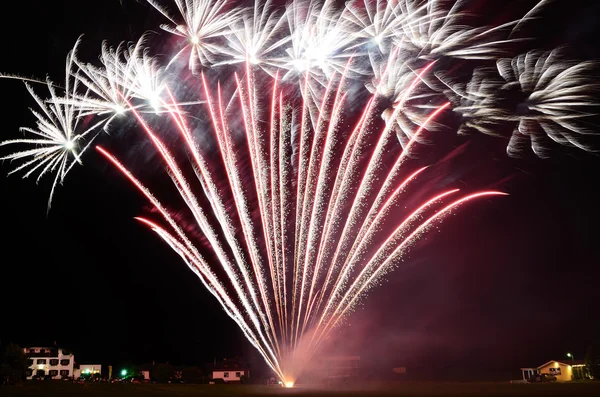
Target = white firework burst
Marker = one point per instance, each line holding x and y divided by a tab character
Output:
318	38
56	144
256	36
541	95
435	31
373	23
141	74
202	22
108	93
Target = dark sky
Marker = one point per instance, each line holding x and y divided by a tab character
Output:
513	282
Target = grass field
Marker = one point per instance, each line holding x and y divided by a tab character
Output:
65	389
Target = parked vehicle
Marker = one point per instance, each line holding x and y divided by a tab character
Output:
541	378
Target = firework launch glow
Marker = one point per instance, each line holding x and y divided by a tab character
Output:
296	161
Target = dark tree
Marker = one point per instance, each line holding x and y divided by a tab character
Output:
162	372
14	364
192	375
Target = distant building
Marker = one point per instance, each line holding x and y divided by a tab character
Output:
230	370
49	361
563	370
87	370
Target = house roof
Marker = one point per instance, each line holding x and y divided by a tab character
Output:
238	369
563	362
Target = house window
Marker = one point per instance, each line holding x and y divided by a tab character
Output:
65	362
53	372
237	374
41	361
64	372
225	374
54	362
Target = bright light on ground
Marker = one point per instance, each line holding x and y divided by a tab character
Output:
289	384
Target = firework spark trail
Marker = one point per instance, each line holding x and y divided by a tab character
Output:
363	190
321	170
286	176
274	149
339	195
241	202
258	165
348	266
358	287
387	186
379	206
302	162
262	333
211	191
192	254
324	191
229	267
313	158
383	249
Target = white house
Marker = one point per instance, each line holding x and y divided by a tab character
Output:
230	371
49	361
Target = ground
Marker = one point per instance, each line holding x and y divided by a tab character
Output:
66	389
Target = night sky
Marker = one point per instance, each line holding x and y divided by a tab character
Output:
512	282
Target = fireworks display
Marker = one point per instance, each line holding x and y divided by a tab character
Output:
295	162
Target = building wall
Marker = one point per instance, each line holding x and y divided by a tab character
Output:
49	361
566	372
229	376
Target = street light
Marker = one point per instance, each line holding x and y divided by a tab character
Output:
571	357
123	372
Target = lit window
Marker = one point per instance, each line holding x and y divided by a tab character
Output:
225	374
53	372
65	362
41	361
64	372
54	361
